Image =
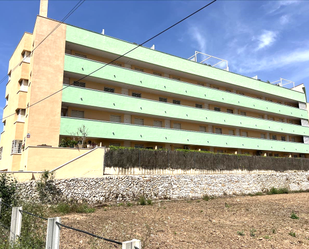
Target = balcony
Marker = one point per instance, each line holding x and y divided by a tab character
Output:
96	41
98	99
120	131
132	78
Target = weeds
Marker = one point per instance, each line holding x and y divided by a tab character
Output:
143	201
66	208
207	197
294	216
129	204
252	232
227	205
275	191
292	234
274	231
241	233
267	237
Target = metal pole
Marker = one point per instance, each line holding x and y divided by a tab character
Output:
15	224
53	233
132	244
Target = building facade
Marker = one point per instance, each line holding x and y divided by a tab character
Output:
145	99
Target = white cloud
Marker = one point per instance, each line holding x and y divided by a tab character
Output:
275	62
285	19
273	6
198	37
266	39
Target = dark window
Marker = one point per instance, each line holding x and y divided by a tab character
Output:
274	137
282	138
229	111
138	95
162	99
177	102
217	109
108	89
198	106
80	84
158	74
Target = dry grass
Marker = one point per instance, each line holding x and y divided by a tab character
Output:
247	222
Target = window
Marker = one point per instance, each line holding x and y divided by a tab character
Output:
274	137
139	121
4	123
137	95
215	87
176	102
115	118
1	149
117	64
6	99
243	113
80	84
175	78
23	85
198	106
138	69
9	76
218	131
282	138
202	128
139	146
260	116
115	144
158	74
108	89
177	126
271	119
66	80
157	123
276	155
231	132
21	114
162	99
240	93
228	90
201	84
16	146
244	134
281	120
217	109
81	55
229	111
26	56
262	136
64	111
77	114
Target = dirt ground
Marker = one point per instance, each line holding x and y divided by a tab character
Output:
230	222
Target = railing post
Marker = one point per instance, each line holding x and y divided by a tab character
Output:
132	244
53	233
15	224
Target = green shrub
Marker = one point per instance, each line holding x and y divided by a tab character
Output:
252	232
274	191
241	233
292	234
149	202
142	200
66	208
294	216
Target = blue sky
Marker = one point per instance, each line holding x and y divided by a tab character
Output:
265	38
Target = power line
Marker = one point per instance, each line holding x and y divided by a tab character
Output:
61	22
160	33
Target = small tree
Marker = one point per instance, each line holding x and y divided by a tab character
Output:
82	133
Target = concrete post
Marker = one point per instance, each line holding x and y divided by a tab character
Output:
210	128
206	106
15	224
132	244
127	119
53	233
167	123
237	131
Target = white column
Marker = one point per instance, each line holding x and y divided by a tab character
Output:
267	135
206	106
210	129
237	131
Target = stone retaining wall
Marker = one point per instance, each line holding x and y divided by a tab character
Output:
129	188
